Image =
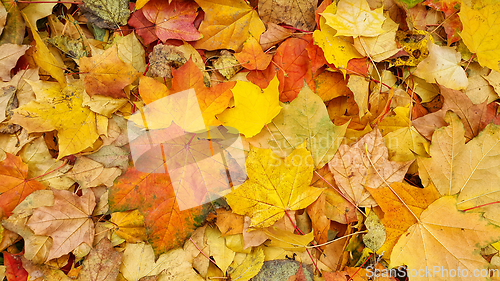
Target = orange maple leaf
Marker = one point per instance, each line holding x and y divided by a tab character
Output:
15	183
107	74
211	100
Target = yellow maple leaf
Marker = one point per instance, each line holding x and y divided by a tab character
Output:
403	141
106	74
59	108
228	24
45	59
480	33
337	50
274	186
253	107
355	18
444	239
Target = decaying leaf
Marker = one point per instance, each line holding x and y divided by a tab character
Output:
106	13
299	14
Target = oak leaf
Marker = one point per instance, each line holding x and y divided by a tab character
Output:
15	183
480	32
274	186
106	74
58	108
446	238
173	19
68	221
353	171
253	108
228	24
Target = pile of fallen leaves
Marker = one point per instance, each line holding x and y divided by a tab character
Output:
260	140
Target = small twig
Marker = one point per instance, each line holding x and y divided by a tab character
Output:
471	57
337	239
190	239
388	185
299	231
487	204
359	268
64	163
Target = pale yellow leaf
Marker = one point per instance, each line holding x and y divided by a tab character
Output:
442	66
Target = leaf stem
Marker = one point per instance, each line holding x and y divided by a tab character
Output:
190	239
340	193
64	163
483	205
359	268
388	185
471	57
49	2
300	231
